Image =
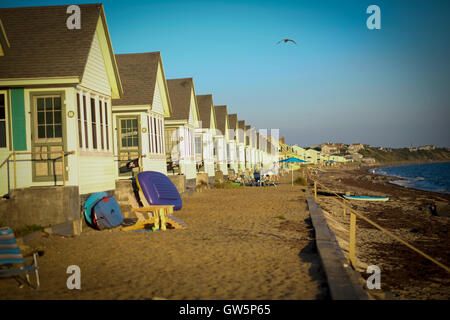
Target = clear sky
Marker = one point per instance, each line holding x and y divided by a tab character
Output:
342	83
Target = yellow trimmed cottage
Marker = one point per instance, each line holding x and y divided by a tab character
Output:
241	144
180	129
138	116
232	150
221	139
205	134
56	87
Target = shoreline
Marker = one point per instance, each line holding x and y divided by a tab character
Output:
398	178
405	274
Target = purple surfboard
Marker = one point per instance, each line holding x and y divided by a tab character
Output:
158	189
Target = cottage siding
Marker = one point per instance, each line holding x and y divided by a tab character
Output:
157	106
95	76
96	173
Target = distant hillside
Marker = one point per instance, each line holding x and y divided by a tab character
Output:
404	155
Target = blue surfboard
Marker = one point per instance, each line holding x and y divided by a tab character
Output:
365	198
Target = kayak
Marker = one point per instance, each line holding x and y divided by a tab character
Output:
365	198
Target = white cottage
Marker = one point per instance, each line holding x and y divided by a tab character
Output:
241	144
180	129
56	86
232	142
204	141
221	139
138	117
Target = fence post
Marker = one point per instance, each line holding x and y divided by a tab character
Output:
315	190
352	244
63	169
345	208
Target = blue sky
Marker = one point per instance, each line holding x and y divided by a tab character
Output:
342	83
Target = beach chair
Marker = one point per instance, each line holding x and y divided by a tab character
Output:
159	198
12	262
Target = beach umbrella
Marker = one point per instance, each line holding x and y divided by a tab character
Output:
292	160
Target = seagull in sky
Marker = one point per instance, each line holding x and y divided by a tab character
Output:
286	40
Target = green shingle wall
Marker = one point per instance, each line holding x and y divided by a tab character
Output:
19	131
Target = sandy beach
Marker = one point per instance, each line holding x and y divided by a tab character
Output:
404	273
241	243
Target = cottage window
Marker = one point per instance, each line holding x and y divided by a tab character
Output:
100	110
94	124
129	133
161	136
155	135
3	126
49	121
86	138
80	128
106	125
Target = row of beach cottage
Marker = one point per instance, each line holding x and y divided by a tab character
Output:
75	116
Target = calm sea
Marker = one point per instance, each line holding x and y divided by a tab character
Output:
430	176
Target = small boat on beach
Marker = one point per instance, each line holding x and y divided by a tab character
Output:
365	198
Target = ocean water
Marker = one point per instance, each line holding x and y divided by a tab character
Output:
433	177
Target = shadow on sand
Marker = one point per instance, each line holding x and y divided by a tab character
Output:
309	254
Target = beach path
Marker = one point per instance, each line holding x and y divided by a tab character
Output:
241	243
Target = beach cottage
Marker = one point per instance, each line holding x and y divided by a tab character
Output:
180	129
56	87
241	144
232	142
138	116
206	132
221	139
248	147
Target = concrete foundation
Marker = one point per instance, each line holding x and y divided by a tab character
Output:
190	185
180	182
219	178
43	206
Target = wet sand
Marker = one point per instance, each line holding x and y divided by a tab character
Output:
241	243
404	273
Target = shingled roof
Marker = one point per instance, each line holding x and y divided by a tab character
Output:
241	131
205	106
221	116
138	72
232	125
42	46
180	96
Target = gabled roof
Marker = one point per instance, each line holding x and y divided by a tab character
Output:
139	72
247	134
41	45
232	121
232	126
205	107
221	116
180	91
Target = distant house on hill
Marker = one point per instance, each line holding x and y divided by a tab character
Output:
368	160
355	147
427	147
330	148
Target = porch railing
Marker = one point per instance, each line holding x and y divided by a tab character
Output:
14	154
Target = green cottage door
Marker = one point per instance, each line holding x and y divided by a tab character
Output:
47	137
128	128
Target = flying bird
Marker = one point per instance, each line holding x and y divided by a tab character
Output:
287	40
